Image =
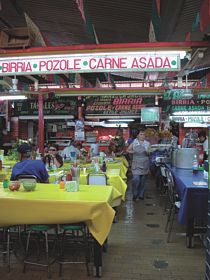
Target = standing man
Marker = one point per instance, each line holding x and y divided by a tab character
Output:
140	164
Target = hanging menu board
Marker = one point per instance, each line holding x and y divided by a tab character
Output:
60	106
173	102
117	105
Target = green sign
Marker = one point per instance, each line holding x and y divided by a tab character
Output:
173	102
60	106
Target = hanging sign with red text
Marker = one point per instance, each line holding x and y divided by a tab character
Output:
117	105
87	62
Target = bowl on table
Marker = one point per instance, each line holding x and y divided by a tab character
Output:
14	185
29	186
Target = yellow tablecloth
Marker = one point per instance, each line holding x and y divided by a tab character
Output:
50	205
123	159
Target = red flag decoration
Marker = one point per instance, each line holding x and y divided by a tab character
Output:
205	15
158	6
80	5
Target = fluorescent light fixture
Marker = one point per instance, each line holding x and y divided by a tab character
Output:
120	120
13	97
50	117
191	113
104	124
195	125
113	117
115	125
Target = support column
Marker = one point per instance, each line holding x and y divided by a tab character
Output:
207	274
41	124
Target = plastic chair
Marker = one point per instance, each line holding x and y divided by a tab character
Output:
28	177
174	203
97	179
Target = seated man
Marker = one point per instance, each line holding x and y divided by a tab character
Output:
29	166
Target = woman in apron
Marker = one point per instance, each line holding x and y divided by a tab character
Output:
140	164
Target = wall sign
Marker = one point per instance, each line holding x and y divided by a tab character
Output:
87	62
61	106
117	105
192	119
173	102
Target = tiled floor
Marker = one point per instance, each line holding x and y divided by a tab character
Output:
137	249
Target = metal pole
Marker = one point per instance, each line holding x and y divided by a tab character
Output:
41	124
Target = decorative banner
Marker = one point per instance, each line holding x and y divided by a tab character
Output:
79	134
61	106
97	62
173	102
117	105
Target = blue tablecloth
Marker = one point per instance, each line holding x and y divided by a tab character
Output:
194	199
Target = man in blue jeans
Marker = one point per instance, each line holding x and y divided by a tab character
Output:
27	166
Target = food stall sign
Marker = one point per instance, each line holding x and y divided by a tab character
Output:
117	105
173	102
191	119
86	62
61	106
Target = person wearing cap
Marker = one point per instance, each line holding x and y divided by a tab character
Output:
28	166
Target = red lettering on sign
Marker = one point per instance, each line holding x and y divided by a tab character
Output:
134	63
123	62
77	64
56	65
92	63
166	63
42	64
5	67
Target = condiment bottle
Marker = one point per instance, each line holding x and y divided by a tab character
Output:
103	168
62	184
68	176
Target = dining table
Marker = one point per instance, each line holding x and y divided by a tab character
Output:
192	190
49	204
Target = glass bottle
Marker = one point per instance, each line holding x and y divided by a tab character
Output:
195	164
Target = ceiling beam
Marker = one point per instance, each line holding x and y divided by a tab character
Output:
106	48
